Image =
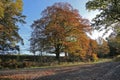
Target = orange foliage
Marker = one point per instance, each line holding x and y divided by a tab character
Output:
64	29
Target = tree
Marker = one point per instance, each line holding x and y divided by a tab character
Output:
37	42
109	14
92	50
103	48
1	10
10	15
60	26
114	44
77	49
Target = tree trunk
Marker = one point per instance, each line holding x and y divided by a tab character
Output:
34	57
58	56
18	56
41	60
66	57
57	52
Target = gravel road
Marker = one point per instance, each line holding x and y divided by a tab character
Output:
100	71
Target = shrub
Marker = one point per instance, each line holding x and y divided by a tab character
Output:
0	64
5	79
117	58
20	65
9	64
0	60
28	64
94	57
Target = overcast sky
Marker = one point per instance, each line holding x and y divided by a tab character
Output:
33	8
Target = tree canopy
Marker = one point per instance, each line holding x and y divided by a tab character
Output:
61	28
10	16
109	14
108	18
103	48
114	44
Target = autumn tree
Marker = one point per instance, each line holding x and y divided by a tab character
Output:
77	48
1	10
10	15
62	29
91	53
109	16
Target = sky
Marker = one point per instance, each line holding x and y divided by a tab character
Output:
33	8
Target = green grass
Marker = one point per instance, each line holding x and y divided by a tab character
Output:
101	60
66	64
62	64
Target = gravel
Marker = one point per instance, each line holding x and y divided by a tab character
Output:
100	71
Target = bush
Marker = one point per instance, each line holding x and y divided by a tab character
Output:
28	64
9	64
19	65
117	58
94	57
0	60
0	64
1	67
13	64
5	79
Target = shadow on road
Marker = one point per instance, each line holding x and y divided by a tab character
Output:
86	72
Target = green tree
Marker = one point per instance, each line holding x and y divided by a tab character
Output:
59	26
114	44
10	16
103	48
109	15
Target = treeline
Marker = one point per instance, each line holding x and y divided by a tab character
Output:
22	61
25	61
105	49
61	29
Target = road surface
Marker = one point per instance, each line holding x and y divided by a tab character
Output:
100	71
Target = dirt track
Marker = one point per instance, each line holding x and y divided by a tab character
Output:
101	71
